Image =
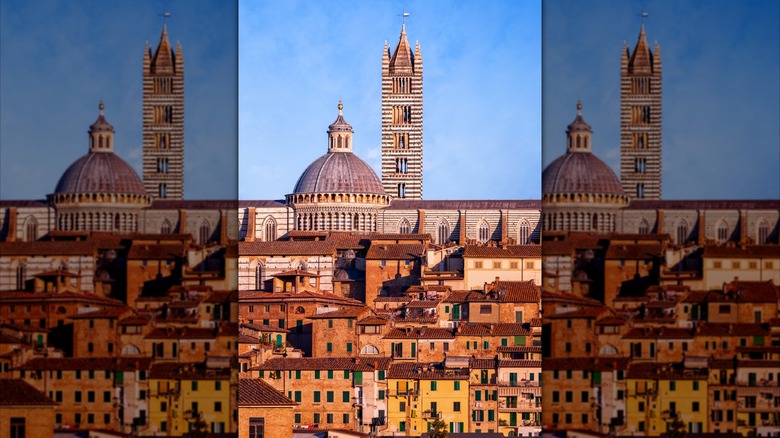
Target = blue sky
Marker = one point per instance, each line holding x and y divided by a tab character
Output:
481	79
721	92
59	58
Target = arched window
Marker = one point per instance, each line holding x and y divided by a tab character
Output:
608	350
405	227
204	232
443	232
31	229
166	227
300	310
369	349
723	232
682	232
484	232
259	277
270	230
763	232
644	227
131	350
524	234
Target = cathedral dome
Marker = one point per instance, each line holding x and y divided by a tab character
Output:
339	172
100	172
580	173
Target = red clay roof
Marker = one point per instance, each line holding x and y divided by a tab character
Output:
17	392
255	392
508	251
401	251
287	248
425	371
92	363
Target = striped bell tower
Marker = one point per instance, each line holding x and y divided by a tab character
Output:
402	120
163	120
640	120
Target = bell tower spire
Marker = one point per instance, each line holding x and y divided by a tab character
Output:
163	119
640	119
402	119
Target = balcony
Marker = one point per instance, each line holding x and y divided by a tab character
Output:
432	414
520	407
519	383
404	393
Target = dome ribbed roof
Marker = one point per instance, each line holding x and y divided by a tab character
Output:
580	173
100	172
339	172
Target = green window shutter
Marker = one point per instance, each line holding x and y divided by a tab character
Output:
317	374
381	394
531	376
504	342
477	395
345	396
329	396
520	340
758	341
298	374
491	415
433	385
346	374
297	396
358	377
349	347
414	350
316	396
329	347
486	345
457	386
381	374
330	374
119	377
597	377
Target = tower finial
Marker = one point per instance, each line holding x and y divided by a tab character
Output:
341	107
101	107
579	107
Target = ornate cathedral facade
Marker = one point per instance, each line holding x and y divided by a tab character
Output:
340	192
581	193
101	192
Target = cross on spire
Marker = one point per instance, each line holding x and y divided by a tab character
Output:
166	15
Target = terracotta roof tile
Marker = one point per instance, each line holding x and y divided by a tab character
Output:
17	392
425	371
502	329
255	392
586	363
92	363
313	363
659	333
287	248
508	251
345	313
48	248
519	291
188	371
402	251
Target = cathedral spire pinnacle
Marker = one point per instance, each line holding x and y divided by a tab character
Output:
578	133
340	133
101	133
